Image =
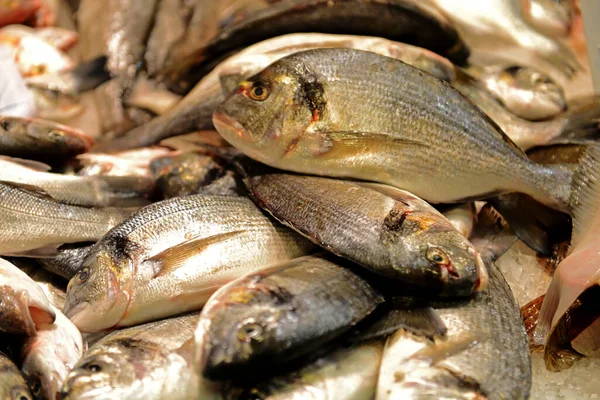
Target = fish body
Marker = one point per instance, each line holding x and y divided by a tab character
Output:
18	11
310	118
195	111
553	18
24	306
127	163
67	262
462	217
345	374
282	313
147	361
36	222
484	356
88	191
154	245
12	383
50	354
391	232
41	140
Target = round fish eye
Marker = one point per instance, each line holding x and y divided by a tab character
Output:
84	275
36	387
252	394
93	368
250	331
54	134
437	256
20	394
259	92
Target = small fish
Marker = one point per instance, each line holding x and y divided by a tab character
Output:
495	28
67	262
23	305
16	12
41	140
345	374
61	38
35	224
151	361
195	110
387	230
126	163
279	314
484	355
526	92
91	191
50	354
146	95
161	261
298	115
580	269
12	383
553	18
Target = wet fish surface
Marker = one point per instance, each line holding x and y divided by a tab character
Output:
37	224
12	383
144	260
298	115
393	233
68	259
282	313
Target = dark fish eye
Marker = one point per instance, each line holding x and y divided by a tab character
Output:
253	394
259	92
19	394
36	387
437	256
93	368
84	275
54	134
250	331
5	124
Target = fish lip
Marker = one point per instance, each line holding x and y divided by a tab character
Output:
228	124
482	274
23	304
71	312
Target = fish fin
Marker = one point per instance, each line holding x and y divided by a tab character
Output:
585	193
538	226
582	123
30	188
558	353
90	74
41	252
229	82
421	321
342	144
450	346
35	165
492	235
174	257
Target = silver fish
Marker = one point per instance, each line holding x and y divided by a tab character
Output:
12	383
37	224
168	257
67	262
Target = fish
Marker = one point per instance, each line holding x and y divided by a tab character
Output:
67	262
298	115
194	111
279	314
127	163
59	37
41	140
105	29
348	373
23	305
90	191
201	140
139	271
146	95
35	224
485	353
150	361
525	91
579	270
404	21
496	29
389	231
557	154
16	12
553	18
186	173
12	383
50	354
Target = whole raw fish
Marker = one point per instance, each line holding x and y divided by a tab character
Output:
12	383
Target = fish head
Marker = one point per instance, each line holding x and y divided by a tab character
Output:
234	336
266	115
440	257
97	297
110	375
19	313
13	388
551	17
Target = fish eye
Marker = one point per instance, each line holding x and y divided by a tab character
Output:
84	275
250	331
252	394
19	394
5	124
437	256
36	387
93	368
259	92
55	134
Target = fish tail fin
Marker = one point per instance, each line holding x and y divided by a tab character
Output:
580	124
538	226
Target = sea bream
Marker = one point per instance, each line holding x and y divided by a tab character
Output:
307	113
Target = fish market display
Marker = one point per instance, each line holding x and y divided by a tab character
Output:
298	115
280	314
298	199
391	232
163	259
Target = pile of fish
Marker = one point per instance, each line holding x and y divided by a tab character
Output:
294	199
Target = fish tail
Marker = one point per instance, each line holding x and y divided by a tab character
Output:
549	306
550	185
90	74
580	124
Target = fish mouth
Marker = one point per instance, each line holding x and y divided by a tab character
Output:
482	274
231	127
33	316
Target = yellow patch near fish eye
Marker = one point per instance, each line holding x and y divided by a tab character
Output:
424	223
241	296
